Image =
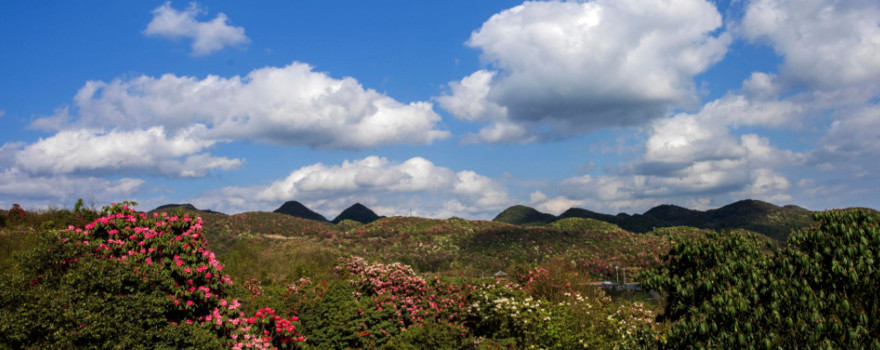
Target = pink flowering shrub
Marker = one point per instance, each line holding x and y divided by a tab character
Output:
374	302
412	299
255	287
170	253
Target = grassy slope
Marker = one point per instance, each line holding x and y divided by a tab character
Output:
278	247
260	244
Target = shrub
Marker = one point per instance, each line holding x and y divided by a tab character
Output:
819	291
62	296
158	262
16	214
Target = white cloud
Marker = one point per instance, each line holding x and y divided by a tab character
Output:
371	174
685	138
469	98
136	151
706	135
57	121
48	190
574	67
859	132
554	206
695	159
291	105
851	146
207	37
738	110
416	184
826	44
480	190
761	85
766	182
761	154
8	152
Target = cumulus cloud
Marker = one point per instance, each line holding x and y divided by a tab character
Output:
859	132
562	68
685	138
852	144
167	126
396	188
825	44
698	154
291	105
136	151
41	191
207	37
695	160
556	205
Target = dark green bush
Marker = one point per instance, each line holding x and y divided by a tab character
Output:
430	336
820	291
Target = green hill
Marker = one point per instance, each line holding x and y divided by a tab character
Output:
771	220
254	242
523	215
297	209
357	212
754	215
186	207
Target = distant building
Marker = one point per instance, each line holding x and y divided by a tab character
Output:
500	274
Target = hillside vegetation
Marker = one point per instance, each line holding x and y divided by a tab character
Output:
268	280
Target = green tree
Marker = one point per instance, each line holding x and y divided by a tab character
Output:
711	287
820	291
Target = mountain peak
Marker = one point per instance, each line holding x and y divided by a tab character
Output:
521	215
297	209
674	214
357	212
187	207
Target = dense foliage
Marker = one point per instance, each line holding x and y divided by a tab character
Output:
377	305
727	291
78	286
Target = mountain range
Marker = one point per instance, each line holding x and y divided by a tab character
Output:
357	212
766	218
754	215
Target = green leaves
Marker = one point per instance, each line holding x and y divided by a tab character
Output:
819	291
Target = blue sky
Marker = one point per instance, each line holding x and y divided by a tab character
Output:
441	108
